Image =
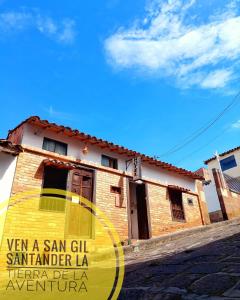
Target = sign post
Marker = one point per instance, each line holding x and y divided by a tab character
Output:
137	168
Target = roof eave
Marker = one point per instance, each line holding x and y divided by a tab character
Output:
35	120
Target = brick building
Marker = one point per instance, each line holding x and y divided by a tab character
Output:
223	188
143	197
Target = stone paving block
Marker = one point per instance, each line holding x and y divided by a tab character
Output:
169	269
179	271
232	268
167	296
177	259
205	268
212	298
232	259
133	294
214	284
159	280
234	292
220	248
205	258
181	280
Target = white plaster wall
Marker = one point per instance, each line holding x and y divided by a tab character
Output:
7	171
167	177
212	197
210	190
234	172
33	136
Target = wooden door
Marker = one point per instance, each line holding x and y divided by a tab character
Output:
79	216
176	205
82	183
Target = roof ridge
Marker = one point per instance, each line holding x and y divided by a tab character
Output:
75	132
222	154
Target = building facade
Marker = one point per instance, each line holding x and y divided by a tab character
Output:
143	197
8	161
223	188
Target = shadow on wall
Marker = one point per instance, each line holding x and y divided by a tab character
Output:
216	216
5	163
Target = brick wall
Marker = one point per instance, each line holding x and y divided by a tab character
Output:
203	202
160	211
112	204
229	200
29	176
216	216
26	213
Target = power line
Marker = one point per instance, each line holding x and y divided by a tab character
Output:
201	130
204	146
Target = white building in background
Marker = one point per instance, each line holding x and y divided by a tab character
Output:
228	165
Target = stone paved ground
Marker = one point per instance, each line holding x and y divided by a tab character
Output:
204	265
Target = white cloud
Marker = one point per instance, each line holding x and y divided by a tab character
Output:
58	114
68	33
169	43
236	125
218	78
62	31
14	21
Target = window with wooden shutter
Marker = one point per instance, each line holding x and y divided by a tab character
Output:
175	197
54	178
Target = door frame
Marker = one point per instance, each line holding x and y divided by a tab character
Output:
129	209
148	215
148	210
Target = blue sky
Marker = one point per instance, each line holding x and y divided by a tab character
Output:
145	74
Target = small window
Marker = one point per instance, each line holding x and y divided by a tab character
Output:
228	163
175	198
54	179
190	201
54	146
109	162
115	189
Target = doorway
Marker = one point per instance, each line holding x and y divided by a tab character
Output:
138	211
175	197
53	178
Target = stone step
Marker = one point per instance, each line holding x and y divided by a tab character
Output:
155	242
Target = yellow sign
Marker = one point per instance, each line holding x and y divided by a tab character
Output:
57	245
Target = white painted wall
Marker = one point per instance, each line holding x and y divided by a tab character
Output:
212	197
166	177
210	190
33	136
234	172
7	171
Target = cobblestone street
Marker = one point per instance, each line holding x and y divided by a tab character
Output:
199	264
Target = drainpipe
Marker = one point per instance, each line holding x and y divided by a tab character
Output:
198	197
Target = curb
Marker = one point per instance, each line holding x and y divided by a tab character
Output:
153	242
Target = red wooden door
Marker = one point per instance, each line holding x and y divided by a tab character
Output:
82	183
176	205
79	215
